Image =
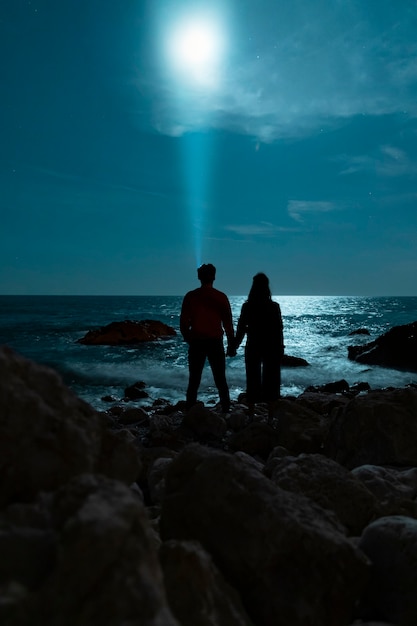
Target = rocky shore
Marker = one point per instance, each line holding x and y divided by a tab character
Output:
154	516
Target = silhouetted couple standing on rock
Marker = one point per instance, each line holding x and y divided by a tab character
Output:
206	315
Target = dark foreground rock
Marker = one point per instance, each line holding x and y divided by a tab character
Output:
278	578
378	428
396	348
391	544
48	435
155	516
127	333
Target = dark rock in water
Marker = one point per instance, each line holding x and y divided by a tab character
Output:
360	331
396	348
360	387
136	391
109	398
293	361
340	386
127	333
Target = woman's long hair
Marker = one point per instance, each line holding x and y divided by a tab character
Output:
260	292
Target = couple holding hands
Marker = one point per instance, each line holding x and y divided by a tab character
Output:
205	317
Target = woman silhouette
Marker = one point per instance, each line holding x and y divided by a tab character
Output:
260	319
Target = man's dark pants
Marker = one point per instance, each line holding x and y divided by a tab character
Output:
213	350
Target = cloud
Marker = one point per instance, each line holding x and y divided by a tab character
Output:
301	69
261	229
298	209
388	161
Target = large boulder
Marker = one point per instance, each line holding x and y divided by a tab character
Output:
48	435
327	483
288	558
127	332
379	428
396	348
391	545
97	562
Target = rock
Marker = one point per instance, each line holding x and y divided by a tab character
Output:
204	422
299	428
119	456
257	440
152	477
196	589
134	416
322	402
28	555
156	479
329	484
293	361
379	428
359	331
107	569
166	431
287	557
391	545
396	348
395	489
360	387
48	435
109	398
247	458
127	333
136	391
340	386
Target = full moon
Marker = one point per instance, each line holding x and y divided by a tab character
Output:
195	50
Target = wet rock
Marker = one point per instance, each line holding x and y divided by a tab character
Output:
339	386
360	331
293	361
396	348
127	332
276	548
136	391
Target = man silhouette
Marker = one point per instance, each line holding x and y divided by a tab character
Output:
205	317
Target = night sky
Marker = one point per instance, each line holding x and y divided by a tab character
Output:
141	138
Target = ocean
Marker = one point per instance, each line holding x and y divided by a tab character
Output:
46	329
